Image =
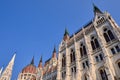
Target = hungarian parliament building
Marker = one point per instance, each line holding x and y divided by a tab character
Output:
92	53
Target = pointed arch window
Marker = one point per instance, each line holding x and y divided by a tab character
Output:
103	75
108	35
83	51
94	43
72	55
63	60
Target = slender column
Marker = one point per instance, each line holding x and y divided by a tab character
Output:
59	66
77	55
92	68
108	63
68	72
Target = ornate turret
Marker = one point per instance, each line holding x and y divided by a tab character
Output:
54	53
7	73
96	9
66	35
40	63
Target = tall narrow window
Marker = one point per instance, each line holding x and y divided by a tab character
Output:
63	61
72	55
87	64
108	35
83	51
111	35
113	51
97	59
83	65
75	69
72	70
103	75
101	56
117	48
94	43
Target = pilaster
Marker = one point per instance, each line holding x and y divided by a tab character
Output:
92	68
59	67
68	72
77	54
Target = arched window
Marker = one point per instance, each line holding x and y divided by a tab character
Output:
71	58
119	64
94	43
108	35
83	51
72	55
63	60
103	75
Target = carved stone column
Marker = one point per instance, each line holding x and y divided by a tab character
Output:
59	66
68	72
92	68
77	55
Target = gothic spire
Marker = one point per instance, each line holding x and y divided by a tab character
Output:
96	9
41	59
7	73
32	62
40	63
66	32
66	35
54	52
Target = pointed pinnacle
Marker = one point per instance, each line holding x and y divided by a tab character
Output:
32	62
66	32
41	59
96	9
54	49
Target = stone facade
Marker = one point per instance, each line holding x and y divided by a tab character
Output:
92	53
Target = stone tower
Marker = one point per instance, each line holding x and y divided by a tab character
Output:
7	73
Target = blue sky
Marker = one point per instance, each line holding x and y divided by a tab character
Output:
33	27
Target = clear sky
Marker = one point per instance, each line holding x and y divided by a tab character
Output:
33	27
